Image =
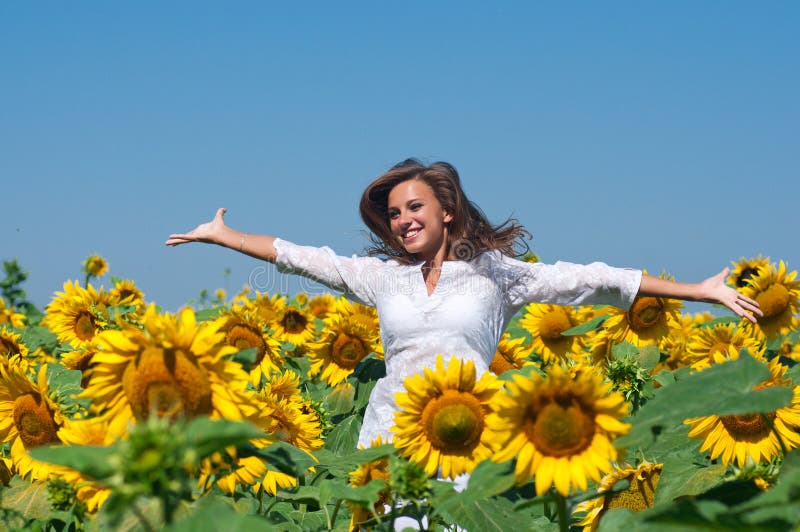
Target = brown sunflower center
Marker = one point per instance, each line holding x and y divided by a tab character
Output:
774	300
645	312
553	323
9	347
294	322
34	421
748	427
245	337
84	326
453	421
746	274
348	351
168	382
501	363
638	496
560	428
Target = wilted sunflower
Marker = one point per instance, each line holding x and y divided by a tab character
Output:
363	475
441	421
95	266
28	418
734	438
714	345
510	354
244	331
558	428
348	337
283	386
745	269
9	315
77	314
674	345
175	367
638	496
546	323
648	320
777	293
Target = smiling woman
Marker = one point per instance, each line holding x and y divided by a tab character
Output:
449	282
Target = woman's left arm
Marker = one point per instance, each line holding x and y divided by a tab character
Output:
712	290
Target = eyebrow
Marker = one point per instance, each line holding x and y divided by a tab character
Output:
412	200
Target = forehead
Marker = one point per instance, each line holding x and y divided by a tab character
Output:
408	190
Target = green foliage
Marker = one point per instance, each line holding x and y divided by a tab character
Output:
586	327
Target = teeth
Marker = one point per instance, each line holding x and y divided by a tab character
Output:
411	233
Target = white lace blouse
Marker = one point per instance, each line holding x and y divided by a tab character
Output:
464	317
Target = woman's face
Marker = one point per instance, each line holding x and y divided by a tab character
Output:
417	220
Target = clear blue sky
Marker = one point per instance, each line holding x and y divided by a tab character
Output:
653	135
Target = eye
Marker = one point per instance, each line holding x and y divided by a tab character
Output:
416	206
393	214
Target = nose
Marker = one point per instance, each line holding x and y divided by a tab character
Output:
403	219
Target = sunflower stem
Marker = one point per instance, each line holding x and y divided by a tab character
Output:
336	511
561	507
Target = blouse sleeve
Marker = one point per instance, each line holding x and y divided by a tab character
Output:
565	283
355	276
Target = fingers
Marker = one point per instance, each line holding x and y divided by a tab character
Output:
221	213
181	238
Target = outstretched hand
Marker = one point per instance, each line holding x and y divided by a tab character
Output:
208	232
716	291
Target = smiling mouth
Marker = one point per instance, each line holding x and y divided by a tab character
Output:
410	235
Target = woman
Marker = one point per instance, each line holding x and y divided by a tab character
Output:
451	284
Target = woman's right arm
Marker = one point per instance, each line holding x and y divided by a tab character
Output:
216	232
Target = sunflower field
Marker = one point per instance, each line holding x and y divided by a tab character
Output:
244	412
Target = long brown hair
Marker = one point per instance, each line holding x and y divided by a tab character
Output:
469	232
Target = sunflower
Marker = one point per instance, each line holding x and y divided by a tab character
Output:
125	292
295	325
735	437
648	320
510	355
777	293
283	386
546	323
281	420
95	266
674	345
745	269
28	418
11	345
638	496
319	306
558	428
175	367
9	315
244	331
77	314
713	345
441	421
363	475
267	309
348	337
92	431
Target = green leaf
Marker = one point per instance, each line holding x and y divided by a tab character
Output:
624	350
683	477
117	311
343	439
219	516
724	320
366	495
36	337
207	437
339	400
287	458
246	357
93	461
586	327
723	389
649	356
489	514
301	495
208	314
28	498
489	478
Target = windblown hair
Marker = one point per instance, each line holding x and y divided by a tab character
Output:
469	232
